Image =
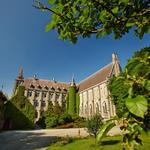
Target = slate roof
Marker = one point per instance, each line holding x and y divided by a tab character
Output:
45	84
96	78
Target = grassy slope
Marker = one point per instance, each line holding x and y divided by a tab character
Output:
109	143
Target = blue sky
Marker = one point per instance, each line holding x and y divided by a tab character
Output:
23	42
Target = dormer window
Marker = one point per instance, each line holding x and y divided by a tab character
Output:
39	87
65	89
32	86
46	87
58	88
52	88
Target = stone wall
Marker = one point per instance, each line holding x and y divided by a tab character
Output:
96	100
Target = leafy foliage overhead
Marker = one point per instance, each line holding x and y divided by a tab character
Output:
100	17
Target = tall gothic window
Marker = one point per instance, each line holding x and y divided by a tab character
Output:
44	94
37	94
91	111
36	103
97	108
57	96
36	114
29	94
104	107
43	104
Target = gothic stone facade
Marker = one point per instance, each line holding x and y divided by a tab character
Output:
94	94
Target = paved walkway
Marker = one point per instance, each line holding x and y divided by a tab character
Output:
37	139
34	139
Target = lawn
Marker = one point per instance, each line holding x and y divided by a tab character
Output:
109	143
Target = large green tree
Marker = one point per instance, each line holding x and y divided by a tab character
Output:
100	17
131	94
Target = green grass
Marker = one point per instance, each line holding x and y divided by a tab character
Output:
109	143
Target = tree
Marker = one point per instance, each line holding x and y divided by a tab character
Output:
57	109
100	17
135	80
119	91
20	113
93	124
72	100
3	99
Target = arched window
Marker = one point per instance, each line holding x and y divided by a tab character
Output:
36	103
91	111
104	107
97	108
86	110
43	103
44	94
37	94
36	114
29	94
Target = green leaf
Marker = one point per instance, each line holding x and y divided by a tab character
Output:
148	29
49	26
137	106
105	129
51	1
115	10
130	91
98	35
130	23
103	33
147	85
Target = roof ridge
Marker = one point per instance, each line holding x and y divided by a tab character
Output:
46	80
94	73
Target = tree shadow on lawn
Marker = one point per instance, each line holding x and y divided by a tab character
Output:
110	142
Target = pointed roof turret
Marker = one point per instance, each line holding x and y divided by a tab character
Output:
73	81
115	58
20	74
116	64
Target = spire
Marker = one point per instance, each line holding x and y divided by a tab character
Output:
73	81
115	58
20	74
116	64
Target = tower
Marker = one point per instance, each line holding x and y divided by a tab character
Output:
71	101
19	80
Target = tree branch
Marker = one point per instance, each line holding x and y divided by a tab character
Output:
81	30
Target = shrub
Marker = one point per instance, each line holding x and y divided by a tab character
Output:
93	124
19	111
64	118
51	121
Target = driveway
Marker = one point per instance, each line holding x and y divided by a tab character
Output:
40	139
34	139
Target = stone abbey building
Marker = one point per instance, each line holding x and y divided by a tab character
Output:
93	91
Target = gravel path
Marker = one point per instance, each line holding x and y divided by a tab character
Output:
38	139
